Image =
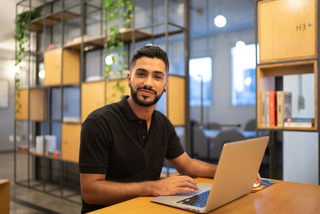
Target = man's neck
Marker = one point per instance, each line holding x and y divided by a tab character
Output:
142	112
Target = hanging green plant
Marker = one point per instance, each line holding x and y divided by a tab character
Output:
121	11
22	36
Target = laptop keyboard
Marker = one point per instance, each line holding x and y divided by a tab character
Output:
199	200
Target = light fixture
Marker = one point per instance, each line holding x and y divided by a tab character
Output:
42	74
240	44
109	59
220	21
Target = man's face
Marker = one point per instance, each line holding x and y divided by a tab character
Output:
148	79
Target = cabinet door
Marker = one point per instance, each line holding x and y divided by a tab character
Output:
52	66
287	29
70	142
38	104
113	93
93	96
176	100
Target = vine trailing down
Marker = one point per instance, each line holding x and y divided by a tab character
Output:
22	36
116	11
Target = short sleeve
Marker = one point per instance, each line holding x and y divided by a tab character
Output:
95	145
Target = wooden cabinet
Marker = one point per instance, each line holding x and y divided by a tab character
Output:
31	104
105	92
70	142
287	30
288	45
61	65
176	99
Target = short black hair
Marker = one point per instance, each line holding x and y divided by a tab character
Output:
151	52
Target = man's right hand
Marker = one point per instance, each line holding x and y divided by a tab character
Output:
173	185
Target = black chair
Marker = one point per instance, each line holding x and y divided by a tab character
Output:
225	137
251	125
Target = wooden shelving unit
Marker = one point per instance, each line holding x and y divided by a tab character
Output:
287	37
59	41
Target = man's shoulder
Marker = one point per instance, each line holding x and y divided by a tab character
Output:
104	111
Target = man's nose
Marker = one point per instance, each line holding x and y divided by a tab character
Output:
148	82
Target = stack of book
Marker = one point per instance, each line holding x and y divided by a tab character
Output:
276	110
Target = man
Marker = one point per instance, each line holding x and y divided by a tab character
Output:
123	145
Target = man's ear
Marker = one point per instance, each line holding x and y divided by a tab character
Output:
128	77
166	84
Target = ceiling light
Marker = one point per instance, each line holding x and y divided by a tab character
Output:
240	44
220	21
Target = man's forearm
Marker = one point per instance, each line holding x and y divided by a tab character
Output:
107	192
193	167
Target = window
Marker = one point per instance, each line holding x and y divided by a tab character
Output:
243	75
200	71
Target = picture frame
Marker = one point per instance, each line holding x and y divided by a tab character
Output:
4	93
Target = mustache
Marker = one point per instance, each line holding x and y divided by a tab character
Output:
145	88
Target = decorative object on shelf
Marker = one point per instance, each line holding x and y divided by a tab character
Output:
114	41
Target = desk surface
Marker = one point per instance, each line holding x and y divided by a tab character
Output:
281	197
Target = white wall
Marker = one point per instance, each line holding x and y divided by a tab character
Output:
7	114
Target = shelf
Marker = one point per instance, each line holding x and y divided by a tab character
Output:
98	42
311	129
52	19
266	75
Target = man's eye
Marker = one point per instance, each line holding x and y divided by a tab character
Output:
140	74
158	77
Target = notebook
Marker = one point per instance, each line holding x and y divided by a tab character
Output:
236	172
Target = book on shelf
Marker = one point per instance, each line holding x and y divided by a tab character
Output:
284	106
267	107
298	122
275	107
263	109
272	108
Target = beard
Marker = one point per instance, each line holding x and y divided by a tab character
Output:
143	102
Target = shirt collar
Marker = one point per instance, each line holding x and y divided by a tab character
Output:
126	110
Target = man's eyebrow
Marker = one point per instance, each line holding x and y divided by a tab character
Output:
144	70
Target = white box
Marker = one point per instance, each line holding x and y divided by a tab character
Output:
51	143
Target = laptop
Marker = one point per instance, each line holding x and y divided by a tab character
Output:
236	172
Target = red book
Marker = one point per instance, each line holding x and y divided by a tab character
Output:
273	107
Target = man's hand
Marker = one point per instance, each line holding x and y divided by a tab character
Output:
173	185
258	179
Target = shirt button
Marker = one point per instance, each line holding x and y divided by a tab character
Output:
143	137
140	122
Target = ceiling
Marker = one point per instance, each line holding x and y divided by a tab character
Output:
239	15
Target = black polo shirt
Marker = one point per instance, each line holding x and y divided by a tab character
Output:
115	142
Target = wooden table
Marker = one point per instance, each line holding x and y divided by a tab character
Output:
280	197
4	196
